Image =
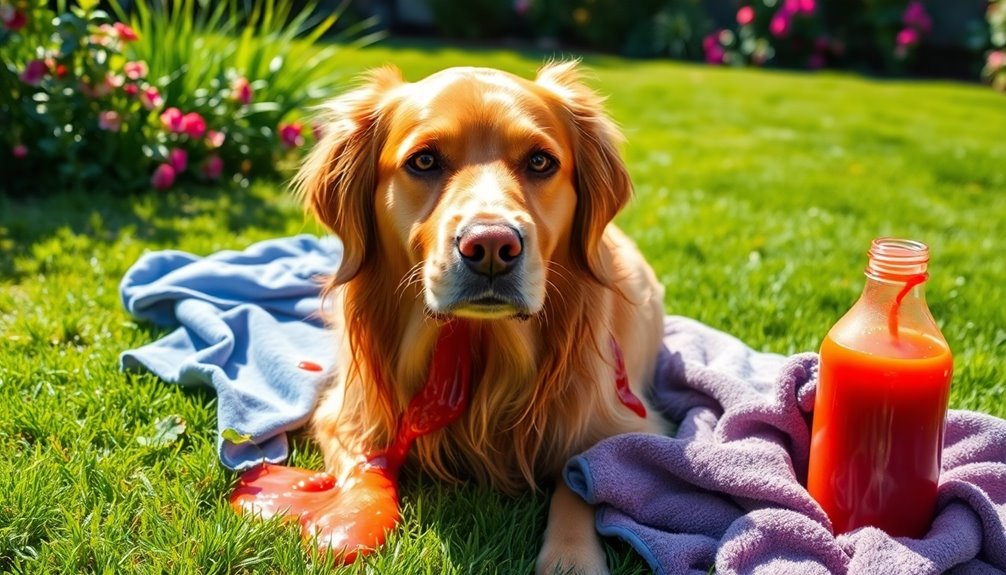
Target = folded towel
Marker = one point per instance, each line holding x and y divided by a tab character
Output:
728	492
246	321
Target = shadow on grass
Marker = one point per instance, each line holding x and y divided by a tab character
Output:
156	218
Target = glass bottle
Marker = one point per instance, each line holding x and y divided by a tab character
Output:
881	402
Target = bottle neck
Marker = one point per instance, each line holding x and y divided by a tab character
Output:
896	275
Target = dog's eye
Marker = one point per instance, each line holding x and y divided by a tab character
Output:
423	162
540	163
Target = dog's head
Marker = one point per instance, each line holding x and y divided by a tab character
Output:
473	183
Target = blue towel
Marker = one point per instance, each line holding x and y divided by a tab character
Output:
245	320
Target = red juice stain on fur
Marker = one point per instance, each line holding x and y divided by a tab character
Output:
309	366
625	394
354	517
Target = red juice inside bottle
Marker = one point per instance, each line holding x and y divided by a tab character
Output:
881	402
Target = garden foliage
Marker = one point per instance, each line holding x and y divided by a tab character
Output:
187	89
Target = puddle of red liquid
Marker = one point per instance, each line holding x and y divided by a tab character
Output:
348	519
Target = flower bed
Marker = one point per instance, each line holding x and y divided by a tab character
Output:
153	98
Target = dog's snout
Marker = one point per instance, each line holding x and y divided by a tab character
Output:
490	249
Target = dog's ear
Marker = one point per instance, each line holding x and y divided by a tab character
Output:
338	178
602	181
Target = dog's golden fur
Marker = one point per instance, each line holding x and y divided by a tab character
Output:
543	384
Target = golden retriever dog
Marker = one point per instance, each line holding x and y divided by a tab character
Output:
475	195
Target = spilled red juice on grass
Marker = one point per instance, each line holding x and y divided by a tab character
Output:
355	517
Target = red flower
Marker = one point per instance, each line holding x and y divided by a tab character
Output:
163	178
126	34
109	121
131	90
12	18
34	72
172	120
194	125
745	15
242	91
135	70
290	135
212	167
151	99
20	151
179	160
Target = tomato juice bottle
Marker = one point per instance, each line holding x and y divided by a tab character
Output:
881	402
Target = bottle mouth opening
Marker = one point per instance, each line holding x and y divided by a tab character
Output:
897	259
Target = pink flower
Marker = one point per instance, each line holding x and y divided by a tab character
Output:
995	60
242	91
131	90
815	61
163	178
290	135
179	159
172	120
907	37
135	70
710	41
12	18
212	167
109	121
779	25
215	139
20	151
915	16
745	15
126	34
194	125
807	6
34	72
716	55
151	99
520	7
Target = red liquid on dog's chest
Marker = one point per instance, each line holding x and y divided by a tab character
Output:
355	516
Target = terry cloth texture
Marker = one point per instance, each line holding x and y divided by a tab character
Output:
244	322
728	489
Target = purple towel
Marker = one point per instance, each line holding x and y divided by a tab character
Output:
728	490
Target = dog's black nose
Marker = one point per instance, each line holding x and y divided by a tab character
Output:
490	249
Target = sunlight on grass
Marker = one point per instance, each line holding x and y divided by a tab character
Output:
757	196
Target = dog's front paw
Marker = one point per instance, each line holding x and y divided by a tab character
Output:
571	556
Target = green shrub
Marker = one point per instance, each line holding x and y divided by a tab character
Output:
193	90
472	19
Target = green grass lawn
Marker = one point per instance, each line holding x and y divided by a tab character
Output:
757	196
